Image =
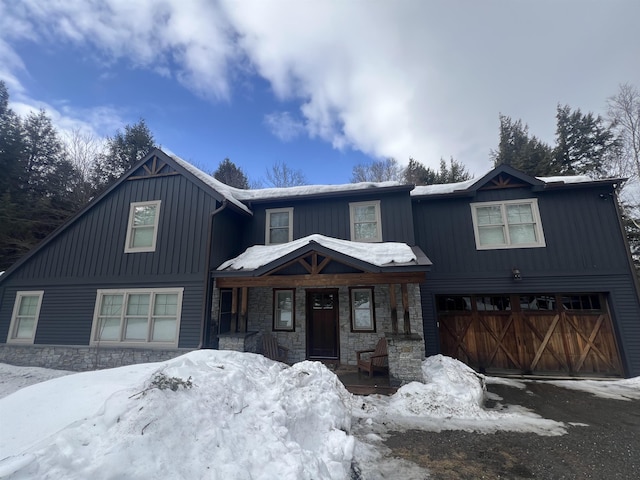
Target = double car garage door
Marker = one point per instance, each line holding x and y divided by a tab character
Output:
533	334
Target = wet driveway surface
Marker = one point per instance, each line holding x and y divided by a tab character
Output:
607	447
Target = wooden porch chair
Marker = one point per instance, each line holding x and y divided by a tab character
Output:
272	350
376	361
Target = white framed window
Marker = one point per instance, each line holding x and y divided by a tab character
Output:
137	317
142	228
362	310
284	302
366	225
24	320
279	226
507	224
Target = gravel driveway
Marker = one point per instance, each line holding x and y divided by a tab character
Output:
608	448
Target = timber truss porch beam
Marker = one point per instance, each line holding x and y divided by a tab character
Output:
308	262
324	280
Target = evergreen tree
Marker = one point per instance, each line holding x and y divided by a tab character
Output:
11	145
417	174
583	143
123	150
525	153
230	174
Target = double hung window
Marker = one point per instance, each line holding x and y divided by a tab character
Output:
24	319
279	226
142	229
508	224
365	221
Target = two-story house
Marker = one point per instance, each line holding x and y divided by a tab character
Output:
528	275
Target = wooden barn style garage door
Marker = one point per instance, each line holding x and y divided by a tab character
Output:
538	333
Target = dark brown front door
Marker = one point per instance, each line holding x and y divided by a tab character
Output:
322	324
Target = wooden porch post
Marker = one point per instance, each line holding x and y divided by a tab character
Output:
394	308
243	310
405	306
233	328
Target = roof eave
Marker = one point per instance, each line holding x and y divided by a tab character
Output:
338	193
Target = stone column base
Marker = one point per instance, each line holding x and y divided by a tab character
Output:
239	342
406	353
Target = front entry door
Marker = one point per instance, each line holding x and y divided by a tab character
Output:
322	324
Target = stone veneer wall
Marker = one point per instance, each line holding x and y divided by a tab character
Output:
81	358
239	342
406	363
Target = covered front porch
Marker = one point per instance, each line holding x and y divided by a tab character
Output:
323	303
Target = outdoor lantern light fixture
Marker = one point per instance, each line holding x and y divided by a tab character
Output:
517	276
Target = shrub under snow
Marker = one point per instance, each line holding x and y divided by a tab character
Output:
245	417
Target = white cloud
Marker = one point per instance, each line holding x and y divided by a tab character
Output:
400	79
284	126
93	122
192	38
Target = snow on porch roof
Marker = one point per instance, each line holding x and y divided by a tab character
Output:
379	254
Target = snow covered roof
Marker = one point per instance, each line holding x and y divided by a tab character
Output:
461	186
379	254
222	188
238	195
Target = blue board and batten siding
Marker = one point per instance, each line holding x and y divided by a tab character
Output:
89	255
585	252
330	216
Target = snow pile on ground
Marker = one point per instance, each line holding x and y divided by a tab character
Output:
450	389
451	398
624	389
243	417
14	378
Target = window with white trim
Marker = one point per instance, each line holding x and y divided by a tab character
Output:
284	310
362	310
365	221
142	228
24	320
279	225
137	317
508	224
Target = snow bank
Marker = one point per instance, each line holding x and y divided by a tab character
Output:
624	389
13	378
245	417
451	398
450	389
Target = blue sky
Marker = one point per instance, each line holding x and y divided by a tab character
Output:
320	86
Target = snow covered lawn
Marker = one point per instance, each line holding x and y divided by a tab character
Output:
228	415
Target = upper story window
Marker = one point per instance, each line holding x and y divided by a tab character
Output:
142	228
508	224
24	319
279	226
137	317
365	221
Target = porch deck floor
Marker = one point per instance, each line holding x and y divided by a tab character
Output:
361	384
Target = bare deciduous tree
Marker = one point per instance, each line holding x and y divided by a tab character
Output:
624	115
377	171
282	175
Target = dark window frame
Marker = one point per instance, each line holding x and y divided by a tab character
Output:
274	325
372	309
